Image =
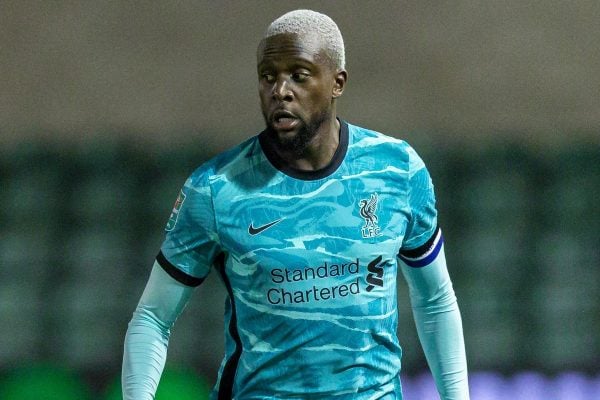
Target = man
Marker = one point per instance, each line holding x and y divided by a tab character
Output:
308	224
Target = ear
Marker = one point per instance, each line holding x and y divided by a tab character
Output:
341	77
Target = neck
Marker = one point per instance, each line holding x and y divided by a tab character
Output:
319	152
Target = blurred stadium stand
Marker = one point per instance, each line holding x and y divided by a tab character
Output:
80	226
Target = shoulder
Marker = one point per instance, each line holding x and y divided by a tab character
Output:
227	163
367	142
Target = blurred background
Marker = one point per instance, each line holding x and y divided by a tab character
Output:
106	107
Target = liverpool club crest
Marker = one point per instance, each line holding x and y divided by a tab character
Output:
367	211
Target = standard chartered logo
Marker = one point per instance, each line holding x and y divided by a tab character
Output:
327	282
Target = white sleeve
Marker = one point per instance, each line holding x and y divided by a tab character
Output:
147	336
439	324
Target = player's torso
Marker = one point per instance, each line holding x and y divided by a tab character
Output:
331	243
312	268
307	235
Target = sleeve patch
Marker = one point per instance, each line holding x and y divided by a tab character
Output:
175	212
424	254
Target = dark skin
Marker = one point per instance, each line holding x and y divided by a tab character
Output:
298	88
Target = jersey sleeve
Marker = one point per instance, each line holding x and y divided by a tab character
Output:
191	243
433	301
422	235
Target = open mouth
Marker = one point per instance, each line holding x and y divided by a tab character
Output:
284	120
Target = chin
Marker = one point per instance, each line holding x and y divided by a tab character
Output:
290	141
287	136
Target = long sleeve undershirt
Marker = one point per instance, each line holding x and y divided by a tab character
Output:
439	326
147	336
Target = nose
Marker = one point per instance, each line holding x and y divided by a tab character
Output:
282	90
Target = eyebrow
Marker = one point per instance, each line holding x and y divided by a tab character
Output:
295	62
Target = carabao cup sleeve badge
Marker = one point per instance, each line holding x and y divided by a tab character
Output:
175	213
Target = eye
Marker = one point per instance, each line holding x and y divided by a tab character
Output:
300	76
269	78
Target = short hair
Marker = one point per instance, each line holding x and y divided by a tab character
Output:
303	22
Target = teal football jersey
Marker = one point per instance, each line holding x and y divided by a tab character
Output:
310	262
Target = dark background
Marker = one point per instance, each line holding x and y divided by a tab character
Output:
106	107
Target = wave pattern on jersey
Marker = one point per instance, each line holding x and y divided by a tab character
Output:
312	264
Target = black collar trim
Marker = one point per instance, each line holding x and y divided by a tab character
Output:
281	165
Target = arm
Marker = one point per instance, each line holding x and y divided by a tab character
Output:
147	337
438	321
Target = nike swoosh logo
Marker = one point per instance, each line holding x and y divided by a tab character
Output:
255	231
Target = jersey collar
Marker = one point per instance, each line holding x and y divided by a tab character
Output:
281	165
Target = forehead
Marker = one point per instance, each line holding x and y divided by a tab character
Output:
288	46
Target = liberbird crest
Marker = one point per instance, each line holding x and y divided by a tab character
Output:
367	211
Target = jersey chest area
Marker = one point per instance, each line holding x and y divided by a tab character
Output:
301	235
332	215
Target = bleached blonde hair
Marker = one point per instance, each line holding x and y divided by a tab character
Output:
304	22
